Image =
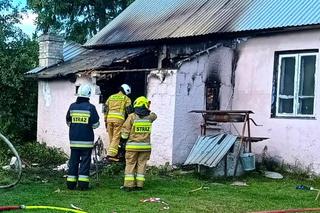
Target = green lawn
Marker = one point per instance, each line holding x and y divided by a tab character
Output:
48	188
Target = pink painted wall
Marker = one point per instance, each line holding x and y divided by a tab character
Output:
296	141
54	99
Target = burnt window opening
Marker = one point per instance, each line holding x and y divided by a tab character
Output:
293	92
110	84
212	95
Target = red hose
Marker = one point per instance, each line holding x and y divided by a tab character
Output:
8	208
290	210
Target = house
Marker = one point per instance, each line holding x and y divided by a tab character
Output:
197	54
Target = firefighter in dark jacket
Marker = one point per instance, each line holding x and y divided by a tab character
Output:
82	118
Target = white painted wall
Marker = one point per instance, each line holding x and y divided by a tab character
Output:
54	99
296	141
162	95
56	96
190	94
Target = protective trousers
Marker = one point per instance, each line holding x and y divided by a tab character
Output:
114	132
78	157
136	163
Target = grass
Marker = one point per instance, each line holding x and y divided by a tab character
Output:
48	188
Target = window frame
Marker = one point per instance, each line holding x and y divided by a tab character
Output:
297	55
214	86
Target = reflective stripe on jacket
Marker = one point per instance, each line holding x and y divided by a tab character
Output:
138	130
82	118
116	105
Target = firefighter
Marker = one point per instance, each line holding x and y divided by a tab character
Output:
137	130
118	106
82	118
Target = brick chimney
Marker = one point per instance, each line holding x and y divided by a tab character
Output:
50	50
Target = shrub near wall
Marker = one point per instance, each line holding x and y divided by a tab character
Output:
44	156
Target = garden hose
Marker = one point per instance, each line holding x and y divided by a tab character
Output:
18	160
8	208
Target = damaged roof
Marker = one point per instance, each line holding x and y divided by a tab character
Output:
167	19
210	150
90	60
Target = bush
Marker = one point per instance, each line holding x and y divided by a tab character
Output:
113	169
162	170
4	155
297	170
40	153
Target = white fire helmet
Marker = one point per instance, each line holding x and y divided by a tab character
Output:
84	91
126	88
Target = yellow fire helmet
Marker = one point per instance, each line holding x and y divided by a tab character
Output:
141	101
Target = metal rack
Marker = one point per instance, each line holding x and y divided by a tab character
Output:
213	117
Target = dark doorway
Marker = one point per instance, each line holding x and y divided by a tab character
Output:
110	84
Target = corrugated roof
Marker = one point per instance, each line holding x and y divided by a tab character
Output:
71	49
210	150
90	60
35	70
165	19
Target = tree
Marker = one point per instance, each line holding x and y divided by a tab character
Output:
78	20
18	95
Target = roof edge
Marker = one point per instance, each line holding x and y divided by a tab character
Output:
213	36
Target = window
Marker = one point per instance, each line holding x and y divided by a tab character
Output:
212	95
295	84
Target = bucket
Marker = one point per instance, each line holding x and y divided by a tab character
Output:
248	161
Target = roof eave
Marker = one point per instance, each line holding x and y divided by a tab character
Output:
212	36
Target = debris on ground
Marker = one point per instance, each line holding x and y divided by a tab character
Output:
310	188
273	175
200	188
12	165
217	184
156	200
6	168
239	183
64	167
25	164
57	191
303	187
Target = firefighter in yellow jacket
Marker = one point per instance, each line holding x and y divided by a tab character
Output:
117	107
137	129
